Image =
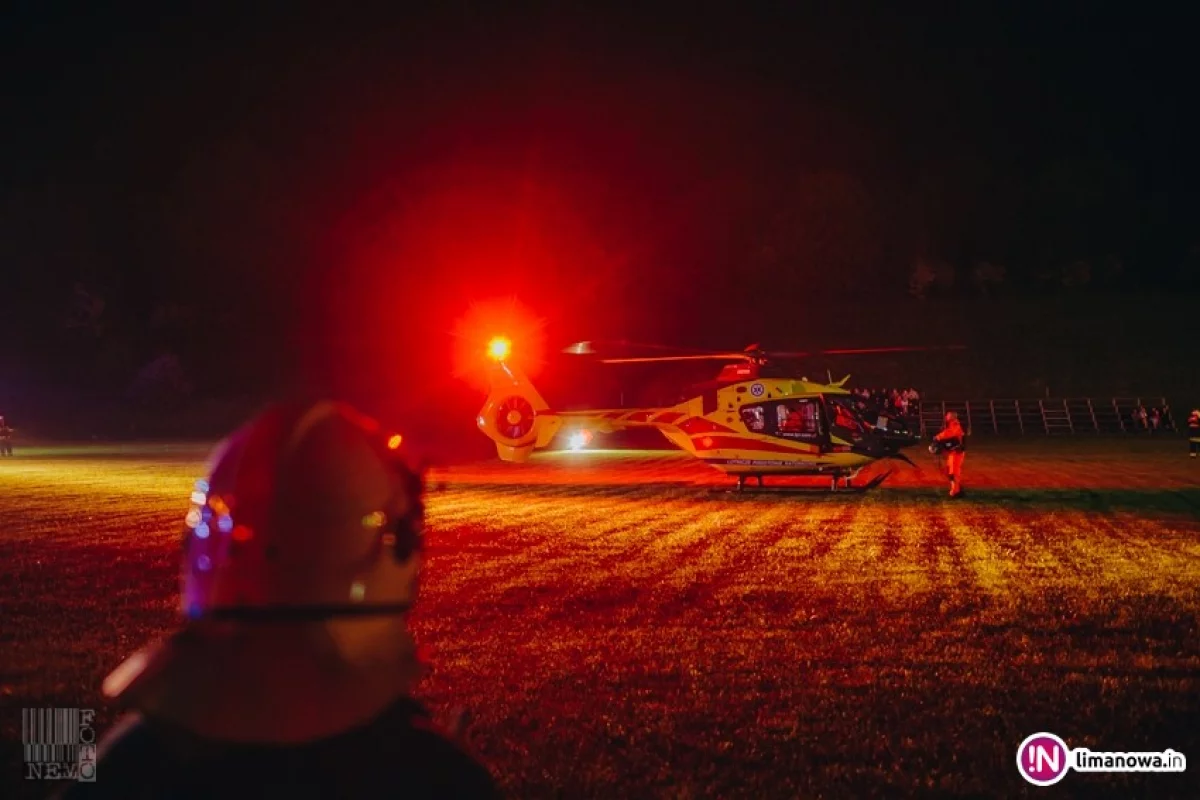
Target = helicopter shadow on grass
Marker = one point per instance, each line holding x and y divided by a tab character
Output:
1184	502
581	490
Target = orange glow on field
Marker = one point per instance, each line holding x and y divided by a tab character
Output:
1064	581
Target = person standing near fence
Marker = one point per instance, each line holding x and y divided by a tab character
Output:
6	434
1194	432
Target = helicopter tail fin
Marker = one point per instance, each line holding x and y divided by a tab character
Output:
514	414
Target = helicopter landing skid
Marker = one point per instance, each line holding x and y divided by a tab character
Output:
845	486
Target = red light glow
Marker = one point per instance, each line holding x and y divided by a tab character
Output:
478	347
499	348
394	441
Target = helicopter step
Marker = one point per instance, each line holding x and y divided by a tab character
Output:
845	486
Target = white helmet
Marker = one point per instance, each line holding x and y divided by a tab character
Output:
301	555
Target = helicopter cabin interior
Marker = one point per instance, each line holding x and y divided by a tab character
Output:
805	419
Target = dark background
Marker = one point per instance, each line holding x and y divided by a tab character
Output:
206	206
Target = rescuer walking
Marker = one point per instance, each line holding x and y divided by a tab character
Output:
952	442
1194	431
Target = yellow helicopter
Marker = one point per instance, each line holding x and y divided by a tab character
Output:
750	422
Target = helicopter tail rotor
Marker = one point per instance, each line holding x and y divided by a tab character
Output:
513	414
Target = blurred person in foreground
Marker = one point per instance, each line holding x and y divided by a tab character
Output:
292	673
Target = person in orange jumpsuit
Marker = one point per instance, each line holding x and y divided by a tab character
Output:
952	442
1193	432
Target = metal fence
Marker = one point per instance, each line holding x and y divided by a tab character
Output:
1050	416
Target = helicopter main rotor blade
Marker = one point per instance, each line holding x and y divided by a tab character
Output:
868	350
784	354
856	351
590	347
650	359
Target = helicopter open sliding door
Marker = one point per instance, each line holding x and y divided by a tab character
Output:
798	419
844	422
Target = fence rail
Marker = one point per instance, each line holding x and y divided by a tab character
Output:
1062	416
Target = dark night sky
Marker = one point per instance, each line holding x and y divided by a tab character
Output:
310	181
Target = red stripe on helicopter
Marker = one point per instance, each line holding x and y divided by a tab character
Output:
734	443
639	416
666	417
694	425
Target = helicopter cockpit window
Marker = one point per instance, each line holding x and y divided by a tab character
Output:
754	419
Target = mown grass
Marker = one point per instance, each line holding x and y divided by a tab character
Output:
621	626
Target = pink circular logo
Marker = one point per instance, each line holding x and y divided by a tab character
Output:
1042	759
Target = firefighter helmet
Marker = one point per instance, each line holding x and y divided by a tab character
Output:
951	416
306	513
301	555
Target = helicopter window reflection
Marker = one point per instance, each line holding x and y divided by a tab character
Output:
754	418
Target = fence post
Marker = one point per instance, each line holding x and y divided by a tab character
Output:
992	408
1020	421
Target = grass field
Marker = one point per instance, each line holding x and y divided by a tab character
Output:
621	628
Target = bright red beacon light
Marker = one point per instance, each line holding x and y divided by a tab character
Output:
499	348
